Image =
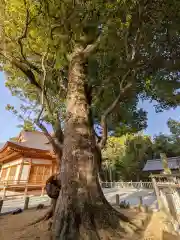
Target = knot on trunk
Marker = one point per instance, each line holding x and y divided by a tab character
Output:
53	186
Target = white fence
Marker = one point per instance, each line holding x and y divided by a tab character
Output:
8	205
136	185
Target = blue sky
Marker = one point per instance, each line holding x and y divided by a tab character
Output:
8	122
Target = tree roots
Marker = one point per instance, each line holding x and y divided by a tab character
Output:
87	220
96	222
48	215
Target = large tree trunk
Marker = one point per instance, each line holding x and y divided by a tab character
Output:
81	212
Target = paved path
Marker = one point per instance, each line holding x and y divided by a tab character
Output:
130	195
11	205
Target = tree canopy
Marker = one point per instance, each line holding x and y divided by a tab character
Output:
75	63
135	52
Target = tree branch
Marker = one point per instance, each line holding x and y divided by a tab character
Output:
92	47
23	67
30	75
27	71
130	55
137	38
56	147
120	97
44	77
58	131
126	43
135	45
98	138
23	36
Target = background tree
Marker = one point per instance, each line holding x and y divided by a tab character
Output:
113	151
174	127
164	160
163	144
138	151
109	54
124	157
168	144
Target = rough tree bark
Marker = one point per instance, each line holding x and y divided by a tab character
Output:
82	211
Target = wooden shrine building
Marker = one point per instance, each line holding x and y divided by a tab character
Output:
155	166
30	159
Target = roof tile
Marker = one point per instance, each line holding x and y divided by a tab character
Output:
156	164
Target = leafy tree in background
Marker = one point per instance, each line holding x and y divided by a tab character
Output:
111	154
27	126
79	62
174	127
124	157
168	144
164	160
138	151
14	139
163	144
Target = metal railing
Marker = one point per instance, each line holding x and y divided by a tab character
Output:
121	184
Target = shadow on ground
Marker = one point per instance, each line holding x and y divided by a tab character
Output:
169	236
139	219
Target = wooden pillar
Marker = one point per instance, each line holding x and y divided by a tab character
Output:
26	190
42	192
140	203
44	168
29	171
26	203
4	192
141	184
117	199
36	174
20	172
9	170
1	172
51	171
1	204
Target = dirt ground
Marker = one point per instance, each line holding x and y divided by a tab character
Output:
157	229
14	227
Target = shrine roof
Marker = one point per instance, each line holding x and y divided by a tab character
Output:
31	140
25	146
28	143
156	164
